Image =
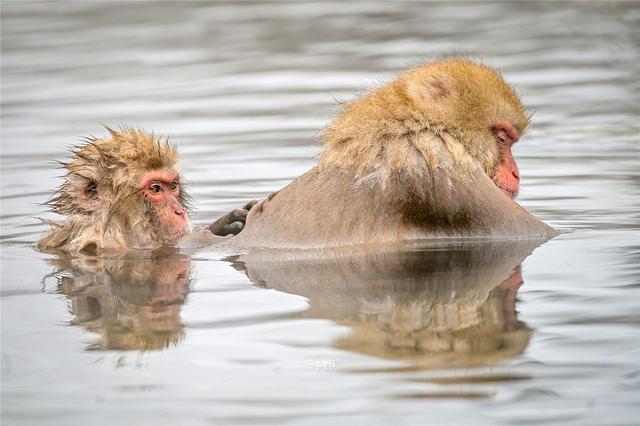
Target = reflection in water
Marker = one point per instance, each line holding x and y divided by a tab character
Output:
132	303
436	306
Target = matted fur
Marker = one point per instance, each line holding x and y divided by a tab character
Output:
412	159
104	208
454	97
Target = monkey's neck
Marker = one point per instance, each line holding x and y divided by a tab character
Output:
380	130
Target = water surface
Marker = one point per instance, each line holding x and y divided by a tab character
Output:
466	333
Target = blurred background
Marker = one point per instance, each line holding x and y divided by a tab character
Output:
244	90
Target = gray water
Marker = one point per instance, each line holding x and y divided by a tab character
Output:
468	334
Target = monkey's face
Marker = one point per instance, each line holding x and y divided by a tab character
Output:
164	199
506	174
119	193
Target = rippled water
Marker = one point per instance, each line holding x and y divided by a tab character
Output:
458	334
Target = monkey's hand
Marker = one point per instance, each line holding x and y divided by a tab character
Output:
233	222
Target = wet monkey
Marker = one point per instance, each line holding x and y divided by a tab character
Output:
124	192
427	155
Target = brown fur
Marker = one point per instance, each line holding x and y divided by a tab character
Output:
413	159
104	207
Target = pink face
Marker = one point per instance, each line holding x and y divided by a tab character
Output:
507	175
162	189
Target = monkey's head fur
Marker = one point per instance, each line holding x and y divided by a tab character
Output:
105	200
459	101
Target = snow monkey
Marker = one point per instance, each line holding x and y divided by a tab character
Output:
428	155
124	192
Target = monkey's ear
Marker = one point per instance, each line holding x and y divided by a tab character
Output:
84	192
91	190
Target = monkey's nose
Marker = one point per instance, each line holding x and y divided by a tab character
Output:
516	174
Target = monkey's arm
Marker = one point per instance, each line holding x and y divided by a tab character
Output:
233	222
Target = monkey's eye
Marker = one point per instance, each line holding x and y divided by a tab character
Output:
154	188
501	135
173	185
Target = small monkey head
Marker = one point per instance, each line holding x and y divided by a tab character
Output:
475	104
120	192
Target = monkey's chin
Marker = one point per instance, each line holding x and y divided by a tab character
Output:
508	192
172	237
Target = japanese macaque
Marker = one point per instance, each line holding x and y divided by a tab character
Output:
425	156
124	192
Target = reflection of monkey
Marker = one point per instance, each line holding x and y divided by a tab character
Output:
439	305
132	303
125	192
467	332
427	155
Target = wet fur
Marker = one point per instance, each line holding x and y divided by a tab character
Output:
413	159
105	210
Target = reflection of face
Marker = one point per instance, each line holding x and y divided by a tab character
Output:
514	280
131	303
170	290
511	286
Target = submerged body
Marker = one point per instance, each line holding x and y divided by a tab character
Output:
426	156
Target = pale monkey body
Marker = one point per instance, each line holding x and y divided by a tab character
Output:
414	159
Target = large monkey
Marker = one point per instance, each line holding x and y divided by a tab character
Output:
124	192
425	156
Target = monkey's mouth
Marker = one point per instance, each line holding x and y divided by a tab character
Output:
511	193
179	232
171	237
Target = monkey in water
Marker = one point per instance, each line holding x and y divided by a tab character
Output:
425	156
124	192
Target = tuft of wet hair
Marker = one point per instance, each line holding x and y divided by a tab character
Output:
105	165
